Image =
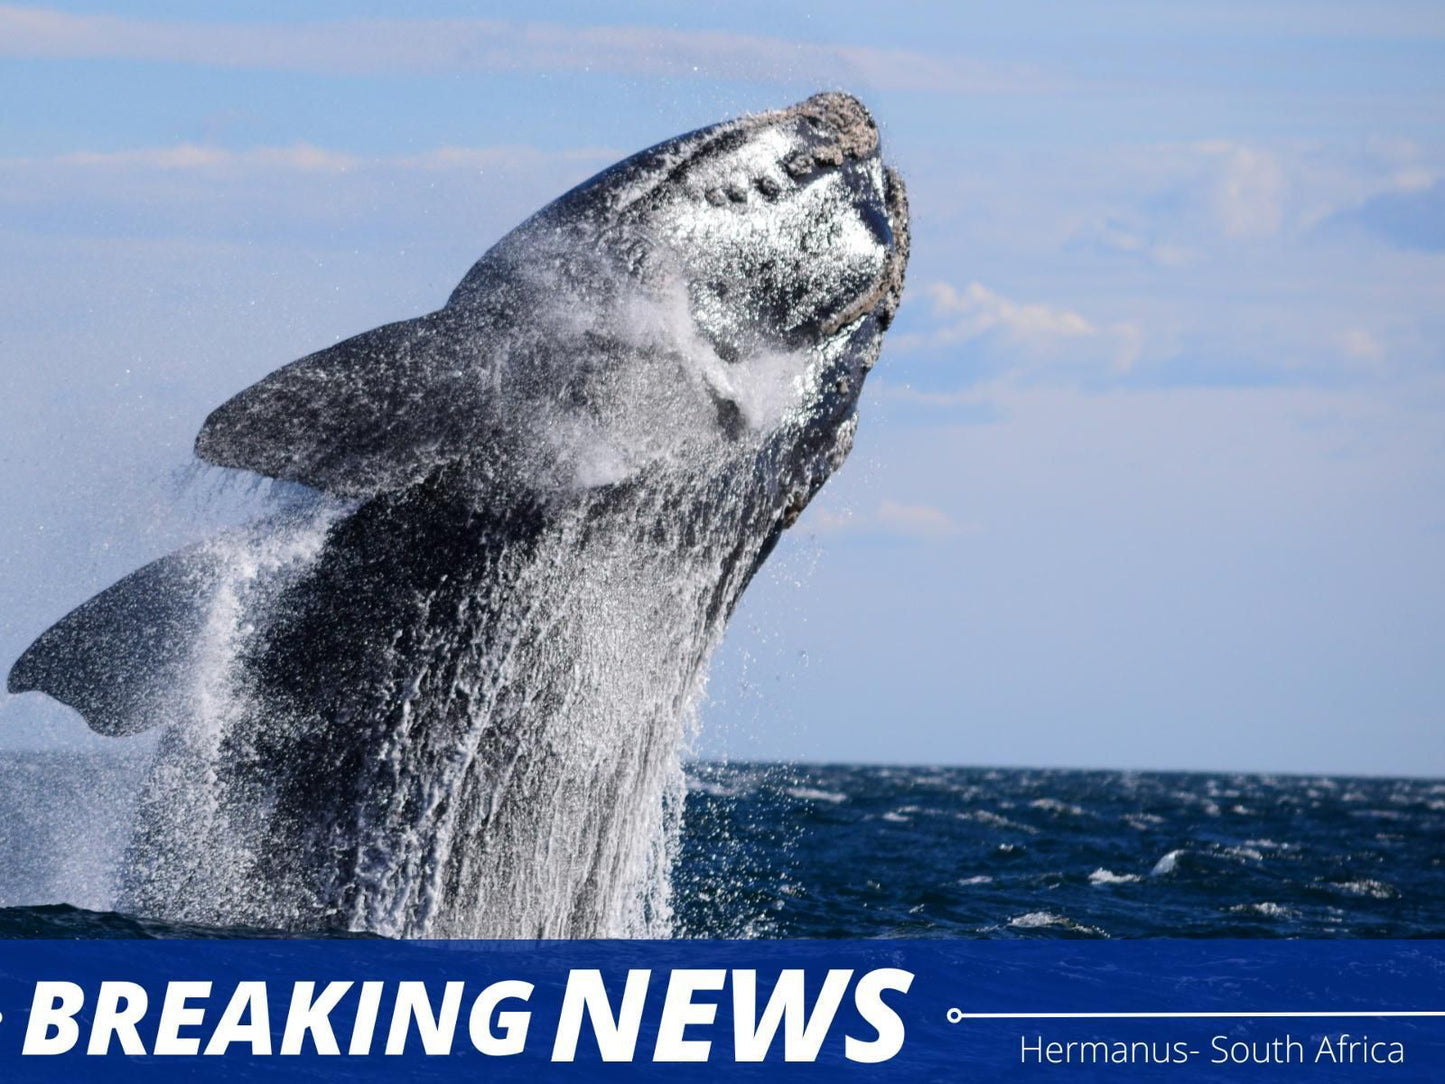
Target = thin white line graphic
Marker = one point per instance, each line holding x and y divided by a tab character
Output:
956	1015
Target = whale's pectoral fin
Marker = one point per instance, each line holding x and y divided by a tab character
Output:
114	658
372	413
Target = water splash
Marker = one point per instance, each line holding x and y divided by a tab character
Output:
509	763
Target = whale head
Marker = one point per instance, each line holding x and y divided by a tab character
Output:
784	226
722	293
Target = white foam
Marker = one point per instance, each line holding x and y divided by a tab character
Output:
1143	821
995	820
1035	920
1248	854
810	794
1053	805
1266	908
1049	920
1368	887
1167	864
1270	845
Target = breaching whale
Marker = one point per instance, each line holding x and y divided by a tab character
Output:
450	699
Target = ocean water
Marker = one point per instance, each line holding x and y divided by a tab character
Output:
771	850
973	852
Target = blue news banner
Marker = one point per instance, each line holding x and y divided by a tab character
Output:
861	1010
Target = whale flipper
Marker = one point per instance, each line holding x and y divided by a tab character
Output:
110	657
371	414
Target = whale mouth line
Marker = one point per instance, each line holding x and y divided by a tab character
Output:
866	304
881	298
847	132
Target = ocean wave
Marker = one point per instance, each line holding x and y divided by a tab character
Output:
1266	908
1167	864
1375	890
917	810
995	820
1143	821
1102	876
1050	920
1249	854
712	789
810	794
1053	805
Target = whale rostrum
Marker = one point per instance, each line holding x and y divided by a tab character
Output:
450	698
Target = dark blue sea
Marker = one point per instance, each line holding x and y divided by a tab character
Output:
856	851
850	851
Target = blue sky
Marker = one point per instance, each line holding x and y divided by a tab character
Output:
1151	471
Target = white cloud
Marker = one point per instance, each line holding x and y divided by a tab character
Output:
449	203
188	156
915	520
1250	190
978	310
1031	335
1258	192
889	517
1108	235
432	45
1415	179
1183	263
1359	344
308	158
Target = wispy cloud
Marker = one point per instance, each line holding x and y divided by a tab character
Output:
432	45
1026	335
977	310
1361	345
191	156
308	158
450	198
1111	235
1250	191
917	521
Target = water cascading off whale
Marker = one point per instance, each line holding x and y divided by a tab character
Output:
450	700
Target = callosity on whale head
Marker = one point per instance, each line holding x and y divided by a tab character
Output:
732	282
